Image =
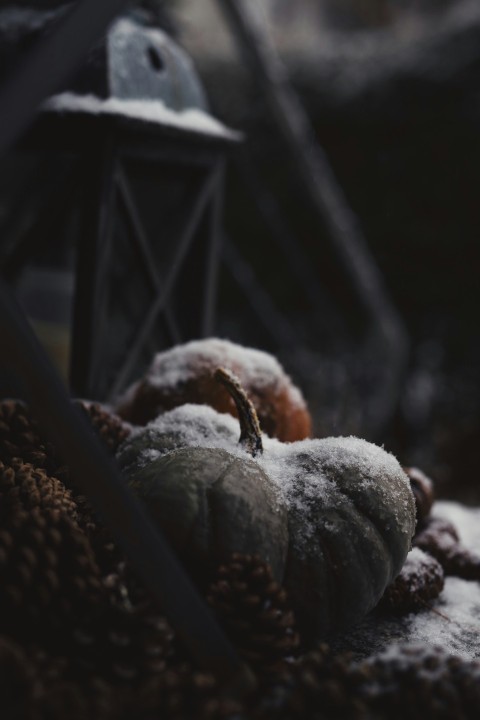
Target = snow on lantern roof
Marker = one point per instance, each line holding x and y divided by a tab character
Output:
149	112
141	76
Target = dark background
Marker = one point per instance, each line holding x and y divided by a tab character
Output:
399	121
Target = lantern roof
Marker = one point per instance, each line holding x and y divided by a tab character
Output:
137	77
146	113
140	77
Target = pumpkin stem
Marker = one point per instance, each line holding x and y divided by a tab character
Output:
250	433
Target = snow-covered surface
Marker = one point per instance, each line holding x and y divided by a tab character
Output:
154	112
453	622
465	519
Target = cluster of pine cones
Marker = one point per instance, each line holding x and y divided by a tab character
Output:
81	638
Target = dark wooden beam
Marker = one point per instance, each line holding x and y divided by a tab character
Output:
94	472
93	247
50	63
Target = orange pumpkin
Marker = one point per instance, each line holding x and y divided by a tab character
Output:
184	374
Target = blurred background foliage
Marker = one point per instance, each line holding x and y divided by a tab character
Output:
392	89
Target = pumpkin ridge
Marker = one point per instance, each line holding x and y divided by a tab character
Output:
213	536
377	530
334	560
362	512
332	589
189	540
358	552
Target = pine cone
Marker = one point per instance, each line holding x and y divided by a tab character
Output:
463	563
88	700
405	681
48	575
422	488
254	611
111	429
440	539
319	686
420	682
18	686
20	437
49	690
182	693
36	685
177	693
121	646
23	487
420	581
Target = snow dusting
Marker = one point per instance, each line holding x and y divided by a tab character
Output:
344	497
183	363
417	561
453	620
316	474
185	426
457	628
465	519
311	476
149	111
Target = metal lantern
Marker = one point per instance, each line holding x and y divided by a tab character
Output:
24	364
131	177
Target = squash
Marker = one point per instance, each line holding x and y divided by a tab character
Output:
211	504
183	426
351	518
184	374
351	511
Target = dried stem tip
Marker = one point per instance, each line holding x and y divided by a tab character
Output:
250	433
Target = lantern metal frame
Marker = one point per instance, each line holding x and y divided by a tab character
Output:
102	146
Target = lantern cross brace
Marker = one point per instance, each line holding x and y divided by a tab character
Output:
100	186
107	186
164	289
141	244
